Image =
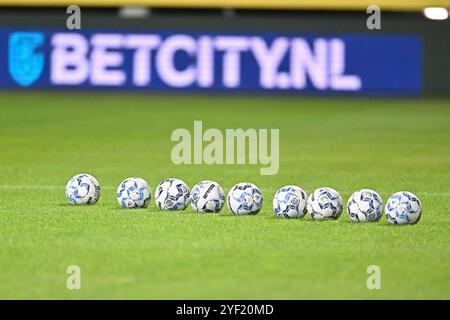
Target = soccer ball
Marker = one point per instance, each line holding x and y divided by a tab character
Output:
403	208
289	202
134	193
245	198
324	203
172	194
365	205
207	196
83	189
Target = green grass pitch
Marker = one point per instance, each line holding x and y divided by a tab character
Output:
385	144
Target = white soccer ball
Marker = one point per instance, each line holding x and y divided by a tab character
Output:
207	196
134	193
403	208
365	205
172	194
324	203
290	202
245	198
83	189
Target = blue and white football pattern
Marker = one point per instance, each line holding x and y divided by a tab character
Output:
172	194
207	196
134	193
245	198
324	203
365	205
83	189
403	208
290	202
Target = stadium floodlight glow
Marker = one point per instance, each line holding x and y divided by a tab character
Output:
436	13
133	12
